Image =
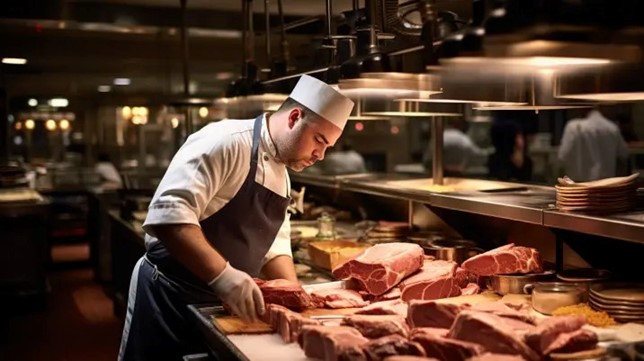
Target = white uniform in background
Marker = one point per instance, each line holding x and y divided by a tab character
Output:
108	173
344	162
458	151
590	148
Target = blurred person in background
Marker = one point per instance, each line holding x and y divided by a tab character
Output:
592	148
110	176
344	160
459	150
510	160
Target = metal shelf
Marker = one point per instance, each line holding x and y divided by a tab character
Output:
625	226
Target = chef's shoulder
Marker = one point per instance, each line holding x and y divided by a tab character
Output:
228	135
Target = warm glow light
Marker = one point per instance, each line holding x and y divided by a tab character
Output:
50	124
14	61
394	129
203	112
607	97
104	88
359	126
30	124
175	122
122	81
64	124
18	125
126	112
136	120
59	102
32	102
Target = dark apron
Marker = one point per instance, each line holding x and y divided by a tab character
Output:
156	326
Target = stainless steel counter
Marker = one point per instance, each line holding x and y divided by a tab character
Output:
513	201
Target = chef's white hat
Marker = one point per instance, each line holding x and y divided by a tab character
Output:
322	99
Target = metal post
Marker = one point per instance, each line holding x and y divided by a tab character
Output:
185	61
267	21
438	125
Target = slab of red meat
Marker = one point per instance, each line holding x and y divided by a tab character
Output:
465	277
496	357
432	331
383	266
491	332
312	338
575	341
392	294
432	314
503	310
444	348
505	260
548	330
376	326
338	298
393	307
470	289
381	348
435	280
285	293
410	358
336	343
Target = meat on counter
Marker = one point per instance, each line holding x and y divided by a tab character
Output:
506	259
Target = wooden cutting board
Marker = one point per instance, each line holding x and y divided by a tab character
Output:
233	325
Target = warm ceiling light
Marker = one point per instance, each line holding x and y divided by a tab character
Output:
50	124
104	88
122	81
174	122
126	112
203	112
59	102
359	126
18	126
32	102
64	124
30	124
14	61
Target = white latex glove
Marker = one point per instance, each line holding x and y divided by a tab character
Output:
238	290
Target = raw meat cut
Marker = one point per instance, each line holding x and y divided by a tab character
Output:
383	266
312	338
435	280
432	331
574	341
338	298
496	357
376	326
336	343
470	289
286	322
491	332
410	358
392	294
465	277
379	349
505	260
393	307
432	314
285	293
547	331
503	310
444	348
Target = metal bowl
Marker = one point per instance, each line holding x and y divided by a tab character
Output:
517	283
584	275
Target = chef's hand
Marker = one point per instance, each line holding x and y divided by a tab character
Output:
238	290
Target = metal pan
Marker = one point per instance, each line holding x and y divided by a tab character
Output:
517	283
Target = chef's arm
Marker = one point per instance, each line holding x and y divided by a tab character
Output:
187	243
280	267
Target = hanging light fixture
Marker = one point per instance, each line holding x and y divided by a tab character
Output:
623	83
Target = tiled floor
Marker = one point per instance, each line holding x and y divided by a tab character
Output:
77	323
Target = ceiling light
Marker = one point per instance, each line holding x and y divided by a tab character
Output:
30	124
104	88
174	122
122	81
18	125
32	102
391	85
203	112
50	124
414	109
64	124
616	84
58	102
126	112
14	61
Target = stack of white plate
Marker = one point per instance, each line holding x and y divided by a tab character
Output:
623	301
608	195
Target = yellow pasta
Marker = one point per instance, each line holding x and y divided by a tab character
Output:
594	318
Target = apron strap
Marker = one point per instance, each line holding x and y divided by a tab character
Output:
257	131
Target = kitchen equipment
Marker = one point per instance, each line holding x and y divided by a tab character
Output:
457	250
548	296
516	283
326	226
581	275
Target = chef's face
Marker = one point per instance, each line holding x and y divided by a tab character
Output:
307	139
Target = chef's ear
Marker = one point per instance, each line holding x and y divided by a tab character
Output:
294	116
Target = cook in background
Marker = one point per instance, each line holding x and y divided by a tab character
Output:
592	148
459	151
110	176
219	218
344	160
510	160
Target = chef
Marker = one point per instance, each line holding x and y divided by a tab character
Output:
218	218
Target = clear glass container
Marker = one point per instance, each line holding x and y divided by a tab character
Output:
326	226
548	296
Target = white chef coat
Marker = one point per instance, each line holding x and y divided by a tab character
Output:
590	148
209	170
458	150
108	173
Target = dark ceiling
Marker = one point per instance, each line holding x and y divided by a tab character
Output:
73	46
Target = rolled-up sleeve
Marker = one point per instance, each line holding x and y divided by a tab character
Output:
193	178
282	244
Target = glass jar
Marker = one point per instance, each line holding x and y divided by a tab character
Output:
326	226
